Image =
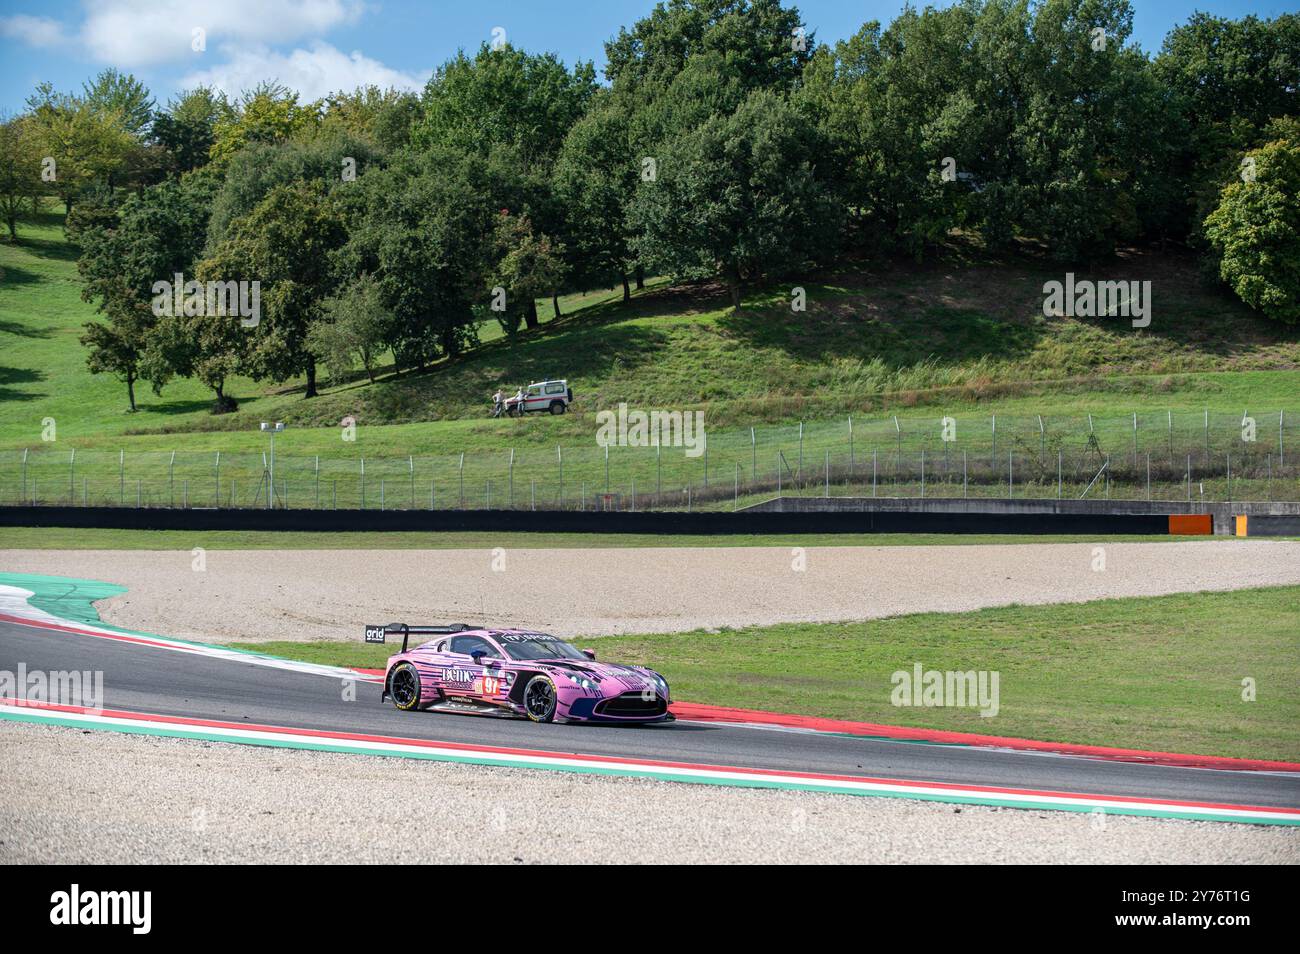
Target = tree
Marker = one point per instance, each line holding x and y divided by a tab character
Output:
423	226
250	174
765	45
1227	79
355	326
1256	229
124	252
20	171
285	245
122	96
269	113
529	266
740	196
80	143
504	97
186	128
382	118
595	178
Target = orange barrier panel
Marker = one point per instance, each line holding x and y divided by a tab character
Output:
1241	525
1191	524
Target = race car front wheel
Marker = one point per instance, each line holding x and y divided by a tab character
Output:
404	687
539	699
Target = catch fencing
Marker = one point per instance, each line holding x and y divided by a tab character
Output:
1185	456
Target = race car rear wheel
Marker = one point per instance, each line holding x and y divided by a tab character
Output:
540	699
404	687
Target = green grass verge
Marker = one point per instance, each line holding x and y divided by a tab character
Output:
69	538
1162	673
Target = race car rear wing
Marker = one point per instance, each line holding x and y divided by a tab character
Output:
379	634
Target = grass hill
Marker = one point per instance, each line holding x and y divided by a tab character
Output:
961	334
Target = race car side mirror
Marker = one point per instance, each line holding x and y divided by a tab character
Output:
477	656
590	654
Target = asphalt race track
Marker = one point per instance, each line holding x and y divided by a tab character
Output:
158	681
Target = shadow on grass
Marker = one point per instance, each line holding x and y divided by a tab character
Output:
11	377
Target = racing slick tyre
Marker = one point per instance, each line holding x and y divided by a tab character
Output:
404	687
540	699
557	407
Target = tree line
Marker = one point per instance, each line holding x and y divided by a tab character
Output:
725	142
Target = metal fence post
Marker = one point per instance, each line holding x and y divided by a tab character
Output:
606	468
72	477
410	460
799	473
363	483
964	492
828	473
216	492
381	494
1042	439
121	478
318	481
735	489
462	480
1148	476
922	473
659	473
1135	439
511	495
753	455
873	472
1010	476
1280	461
171	481
1058	475
1229	478
22	496
851	459
993	454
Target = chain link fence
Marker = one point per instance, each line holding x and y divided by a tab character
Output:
1201	456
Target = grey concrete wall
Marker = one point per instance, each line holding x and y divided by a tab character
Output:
1223	513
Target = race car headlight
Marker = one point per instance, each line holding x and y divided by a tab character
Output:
660	682
581	681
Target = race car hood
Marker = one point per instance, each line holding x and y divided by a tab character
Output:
633	678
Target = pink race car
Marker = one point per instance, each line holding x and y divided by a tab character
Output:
515	672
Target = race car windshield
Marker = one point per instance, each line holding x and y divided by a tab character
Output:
540	649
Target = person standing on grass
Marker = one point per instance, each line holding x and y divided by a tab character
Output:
496	402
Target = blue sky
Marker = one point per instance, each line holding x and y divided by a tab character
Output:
319	45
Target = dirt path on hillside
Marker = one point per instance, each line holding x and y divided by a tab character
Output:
329	594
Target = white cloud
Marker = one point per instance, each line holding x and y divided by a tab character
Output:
313	72
34	31
130	33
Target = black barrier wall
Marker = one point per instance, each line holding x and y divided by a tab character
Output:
552	521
